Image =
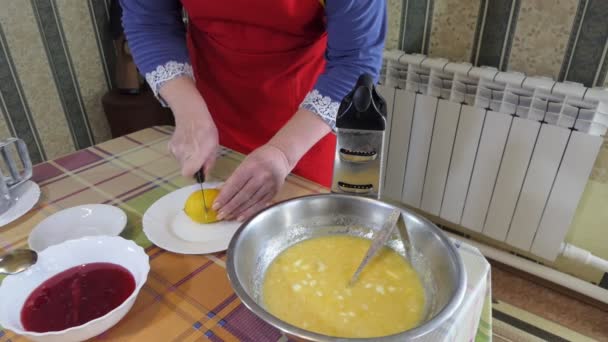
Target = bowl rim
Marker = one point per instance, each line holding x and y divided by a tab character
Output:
145	271
119	213
444	314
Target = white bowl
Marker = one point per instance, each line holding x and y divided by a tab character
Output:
77	222
15	289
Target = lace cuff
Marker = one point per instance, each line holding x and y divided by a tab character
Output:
167	72
323	106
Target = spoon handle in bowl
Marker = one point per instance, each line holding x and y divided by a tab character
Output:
380	239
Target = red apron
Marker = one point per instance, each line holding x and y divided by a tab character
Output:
254	63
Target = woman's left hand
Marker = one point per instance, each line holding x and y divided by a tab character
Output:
253	184
258	179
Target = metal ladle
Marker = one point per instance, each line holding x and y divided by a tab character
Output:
17	261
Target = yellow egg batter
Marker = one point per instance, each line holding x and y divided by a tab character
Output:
306	285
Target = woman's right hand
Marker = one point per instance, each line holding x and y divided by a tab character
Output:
195	140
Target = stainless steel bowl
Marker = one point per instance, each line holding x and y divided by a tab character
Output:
260	239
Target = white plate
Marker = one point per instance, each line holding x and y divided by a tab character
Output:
158	219
26	196
77	222
15	289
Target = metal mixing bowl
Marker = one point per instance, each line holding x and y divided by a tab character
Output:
260	239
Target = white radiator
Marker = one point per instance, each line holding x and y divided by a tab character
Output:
495	152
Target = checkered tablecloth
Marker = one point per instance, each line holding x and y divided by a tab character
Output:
188	298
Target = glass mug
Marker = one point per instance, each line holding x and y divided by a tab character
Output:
11	173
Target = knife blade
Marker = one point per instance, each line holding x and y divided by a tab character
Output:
200	178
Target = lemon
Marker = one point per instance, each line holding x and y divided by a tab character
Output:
194	206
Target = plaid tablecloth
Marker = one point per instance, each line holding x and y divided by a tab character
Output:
188	298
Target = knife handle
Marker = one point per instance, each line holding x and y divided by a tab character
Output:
200	176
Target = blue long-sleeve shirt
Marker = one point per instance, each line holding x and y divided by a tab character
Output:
355	31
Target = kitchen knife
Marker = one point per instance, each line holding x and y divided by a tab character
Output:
200	178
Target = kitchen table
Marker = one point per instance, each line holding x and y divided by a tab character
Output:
186	297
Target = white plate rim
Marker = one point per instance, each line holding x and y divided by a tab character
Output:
32	193
167	205
115	232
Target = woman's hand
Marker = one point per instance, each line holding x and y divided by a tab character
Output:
258	179
253	184
195	140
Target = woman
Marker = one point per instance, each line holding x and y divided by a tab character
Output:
264	78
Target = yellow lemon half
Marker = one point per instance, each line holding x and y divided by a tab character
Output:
194	206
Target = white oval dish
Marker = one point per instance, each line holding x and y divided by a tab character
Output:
15	289
25	196
77	222
186	229
159	219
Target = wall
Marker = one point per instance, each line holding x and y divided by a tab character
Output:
562	39
55	62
